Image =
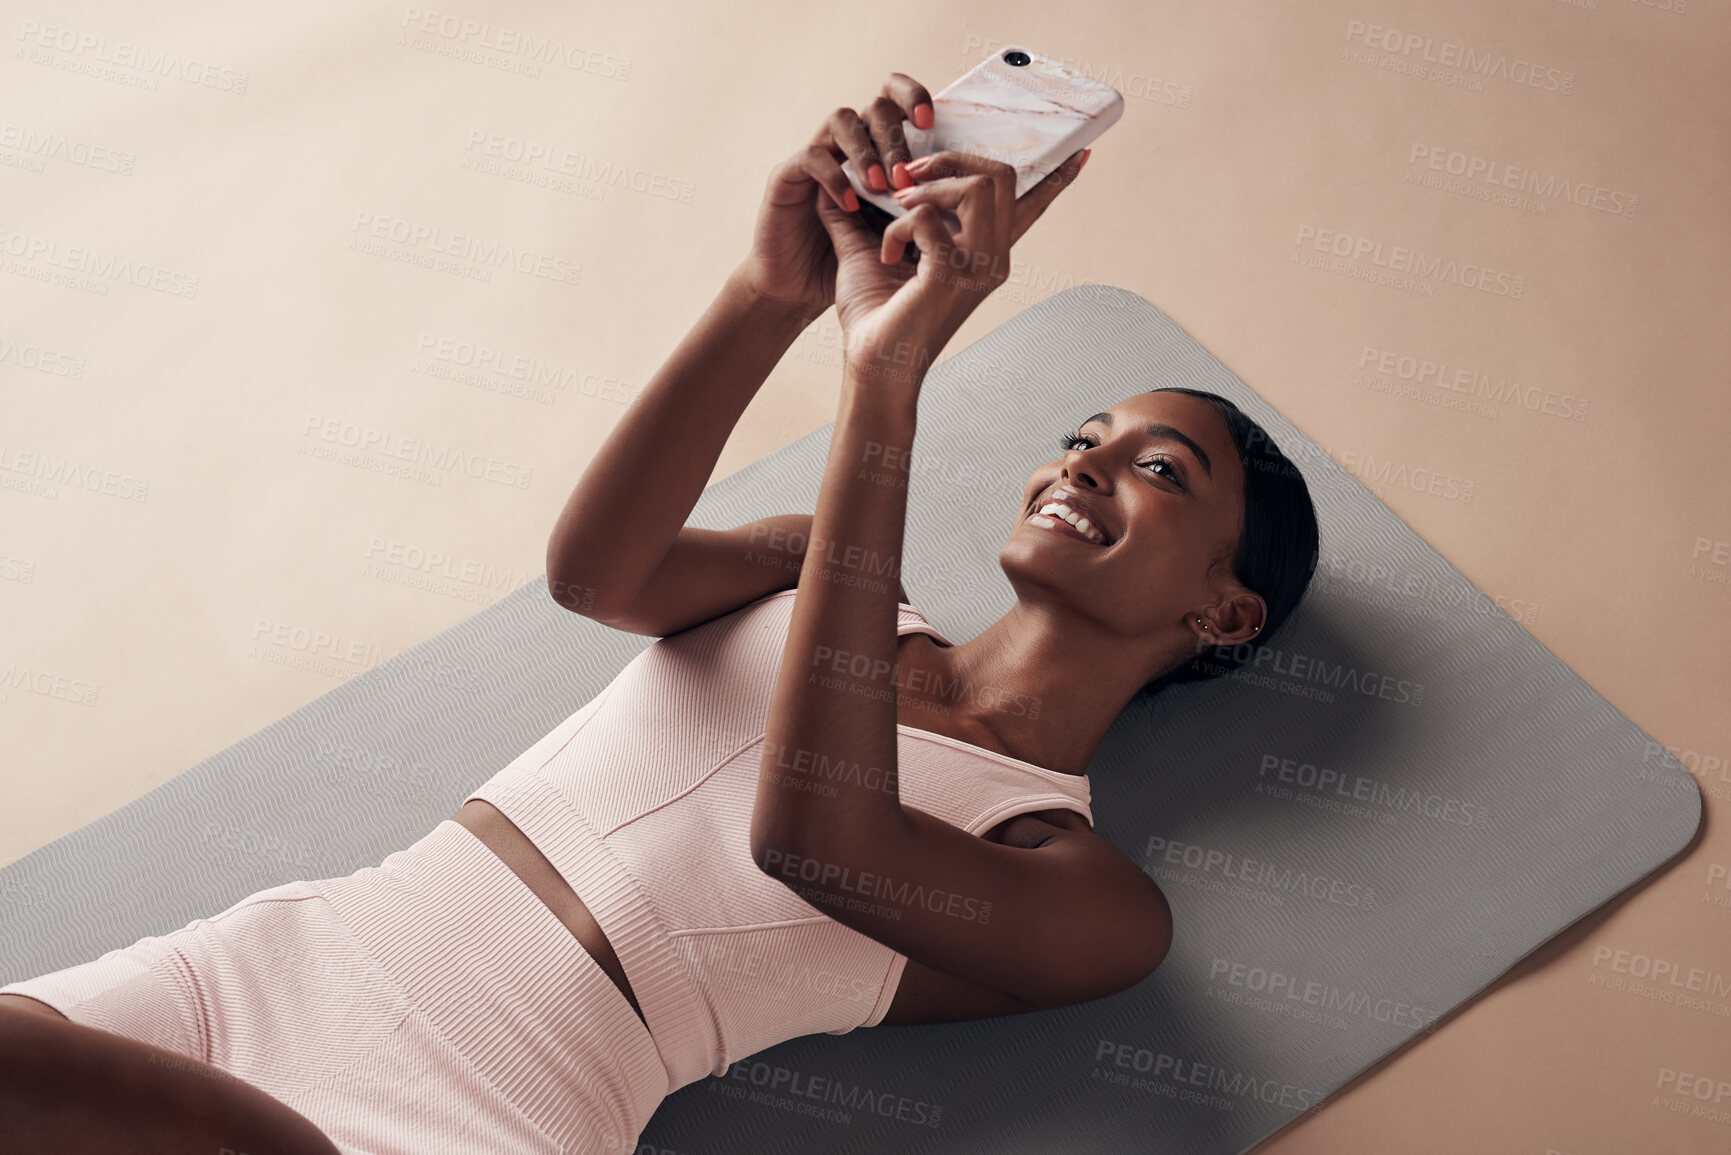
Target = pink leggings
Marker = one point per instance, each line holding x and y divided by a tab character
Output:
428	1004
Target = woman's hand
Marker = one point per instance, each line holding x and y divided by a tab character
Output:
792	261
901	295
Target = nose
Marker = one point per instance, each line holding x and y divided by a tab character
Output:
1075	470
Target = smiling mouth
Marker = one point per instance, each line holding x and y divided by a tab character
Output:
1060	525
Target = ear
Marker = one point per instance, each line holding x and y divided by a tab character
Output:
1237	618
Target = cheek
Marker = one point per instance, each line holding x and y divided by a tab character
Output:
1156	549
1146	562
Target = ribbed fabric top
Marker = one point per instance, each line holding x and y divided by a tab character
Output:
642	800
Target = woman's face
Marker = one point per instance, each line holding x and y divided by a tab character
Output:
1163	486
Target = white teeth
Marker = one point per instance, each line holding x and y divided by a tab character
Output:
1059	509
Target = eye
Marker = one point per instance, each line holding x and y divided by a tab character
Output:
1072	440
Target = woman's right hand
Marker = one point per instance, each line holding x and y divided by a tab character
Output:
792	260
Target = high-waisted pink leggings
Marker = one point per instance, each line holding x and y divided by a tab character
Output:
429	1004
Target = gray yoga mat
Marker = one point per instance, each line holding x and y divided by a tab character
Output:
1402	796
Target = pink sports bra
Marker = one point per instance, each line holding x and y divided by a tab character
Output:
642	800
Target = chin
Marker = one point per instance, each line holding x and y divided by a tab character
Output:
1034	573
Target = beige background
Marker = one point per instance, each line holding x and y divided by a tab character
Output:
178	568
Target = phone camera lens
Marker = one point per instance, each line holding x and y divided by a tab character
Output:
1016	59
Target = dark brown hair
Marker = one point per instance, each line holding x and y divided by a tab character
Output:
1277	550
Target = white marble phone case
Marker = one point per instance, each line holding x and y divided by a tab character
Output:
1031	117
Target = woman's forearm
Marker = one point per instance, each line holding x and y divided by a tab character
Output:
827	774
633	499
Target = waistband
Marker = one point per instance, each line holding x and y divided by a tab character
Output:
680	1021
508	985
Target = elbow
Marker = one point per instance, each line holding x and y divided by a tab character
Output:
581	598
565	586
788	850
773	850
574	596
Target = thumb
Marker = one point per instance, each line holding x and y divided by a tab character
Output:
847	232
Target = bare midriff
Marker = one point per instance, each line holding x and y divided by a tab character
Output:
500	835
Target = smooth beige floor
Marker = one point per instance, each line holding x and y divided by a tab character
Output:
202	303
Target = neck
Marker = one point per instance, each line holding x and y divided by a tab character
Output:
1031	686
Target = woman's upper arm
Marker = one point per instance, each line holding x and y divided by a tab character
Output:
706	573
1067	920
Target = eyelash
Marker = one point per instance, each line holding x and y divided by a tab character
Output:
1068	441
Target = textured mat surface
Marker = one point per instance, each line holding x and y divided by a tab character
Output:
1402	795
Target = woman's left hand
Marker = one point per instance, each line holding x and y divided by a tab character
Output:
898	308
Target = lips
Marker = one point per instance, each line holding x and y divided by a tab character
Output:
1056	524
1082	508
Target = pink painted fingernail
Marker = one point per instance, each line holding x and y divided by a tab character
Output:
876	176
923	115
849	201
1083	163
902	179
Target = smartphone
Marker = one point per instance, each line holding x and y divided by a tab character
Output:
1016	106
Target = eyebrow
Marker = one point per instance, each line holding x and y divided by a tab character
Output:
1160	429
